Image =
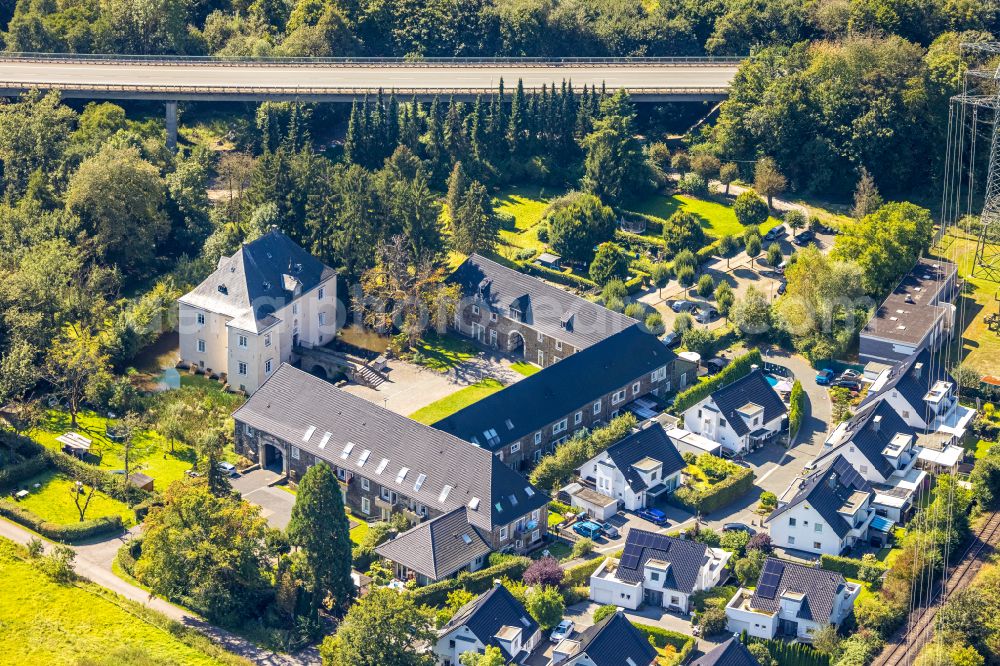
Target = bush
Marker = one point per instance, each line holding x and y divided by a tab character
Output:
685	258
582	548
692	183
716	496
685	276
506	220
728	245
850	567
476	582
706	285
560	465
796	409
542	231
768	500
750	209
545	571
603	612
654	323
739	368
713	621
614	290
635	310
559	277
11	475
699	340
63	533
581	573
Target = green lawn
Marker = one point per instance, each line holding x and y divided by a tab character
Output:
53	501
159	463
459	399
524	368
866	592
47	623
982	447
443	352
717	218
526	204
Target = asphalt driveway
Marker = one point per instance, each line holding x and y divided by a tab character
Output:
275	503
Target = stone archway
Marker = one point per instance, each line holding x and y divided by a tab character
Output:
319	371
515	344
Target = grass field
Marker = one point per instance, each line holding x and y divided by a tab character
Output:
717	219
441	353
53	501
524	368
459	399
163	466
47	623
526	204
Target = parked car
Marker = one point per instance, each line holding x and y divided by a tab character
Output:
852	384
671	339
681	305
775	232
563	630
804	238
654	516
851	374
610	530
227	468
781	289
824	376
588	529
739	527
715	364
704	315
780	268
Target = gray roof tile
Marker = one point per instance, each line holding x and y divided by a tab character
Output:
439	547
651	442
752	388
685	557
827	490
614	641
820	588
488	613
730	653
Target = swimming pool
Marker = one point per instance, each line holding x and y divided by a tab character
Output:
772	380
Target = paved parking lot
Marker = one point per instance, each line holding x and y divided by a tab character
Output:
275	503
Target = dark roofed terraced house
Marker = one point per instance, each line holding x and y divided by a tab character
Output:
387	463
611	642
494	618
587	389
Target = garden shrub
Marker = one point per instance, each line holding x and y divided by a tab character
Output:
662	639
11	475
733	482
476	582
560	277
581	573
850	567
796	409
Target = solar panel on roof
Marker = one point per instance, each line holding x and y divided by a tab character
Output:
770	578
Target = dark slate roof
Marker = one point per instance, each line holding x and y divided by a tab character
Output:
860	431
819	586
488	613
291	402
613	641
685	557
828	490
911	382
544	306
560	389
651	442
751	388
258	280
915	303
730	653
439	547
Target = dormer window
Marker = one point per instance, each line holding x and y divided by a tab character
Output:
515	314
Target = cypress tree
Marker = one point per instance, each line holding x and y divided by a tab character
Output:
351	141
392	123
518	121
458	183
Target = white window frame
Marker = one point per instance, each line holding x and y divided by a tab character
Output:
248	429
618	396
818	528
201	318
541	357
559	427
243	341
295	308
791	541
578	418
267	339
503	533
241	368
322	319
320	293
636	387
267	366
201	346
294	452
475	309
539	336
558	345
366	506
597	407
365	484
493	316
538	437
515	447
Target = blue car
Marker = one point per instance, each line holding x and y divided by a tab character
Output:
654	516
824	377
588	528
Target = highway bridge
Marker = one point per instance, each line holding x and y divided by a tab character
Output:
173	79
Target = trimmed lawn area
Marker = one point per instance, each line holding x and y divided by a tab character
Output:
982	447
443	352
526	204
163	466
53	501
524	368
48	623
459	399
717	218
358	533
866	592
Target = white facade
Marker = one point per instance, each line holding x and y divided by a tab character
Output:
707	420
606	588
803	528
450	646
763	624
610	481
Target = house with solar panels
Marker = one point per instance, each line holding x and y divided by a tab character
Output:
495	618
883	449
638	470
611	642
791	601
257	308
658	570
828	512
741	416
463	502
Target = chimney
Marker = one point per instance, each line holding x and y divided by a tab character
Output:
754	367
918	369
876	422
832	481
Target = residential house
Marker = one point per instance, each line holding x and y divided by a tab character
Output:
729	653
742	415
918	314
791	601
637	470
257	308
611	642
496	619
659	570
827	511
525	316
532	416
924	395
465	500
882	448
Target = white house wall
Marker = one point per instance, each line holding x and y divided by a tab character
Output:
806	519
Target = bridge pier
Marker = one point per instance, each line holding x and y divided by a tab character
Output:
172	125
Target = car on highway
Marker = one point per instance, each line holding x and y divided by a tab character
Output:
825	376
587	528
681	305
705	314
610	530
774	233
654	516
563	630
739	527
671	339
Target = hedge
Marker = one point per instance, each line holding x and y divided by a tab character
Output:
739	368
661	638
128	554
476	582
848	566
795	411
581	573
568	279
634	284
790	654
716	496
13	474
63	533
